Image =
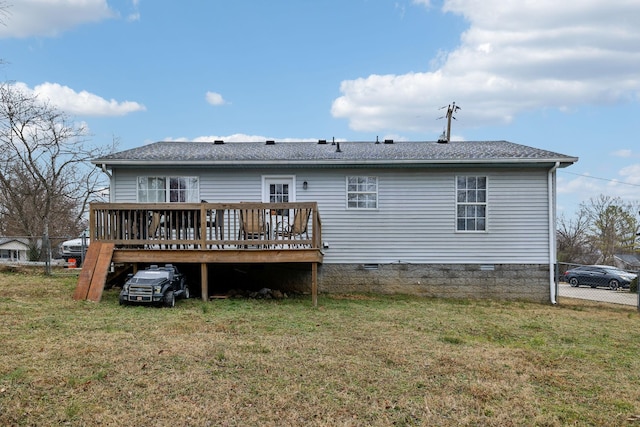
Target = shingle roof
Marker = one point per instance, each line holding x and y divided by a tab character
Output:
5	240
630	260
312	153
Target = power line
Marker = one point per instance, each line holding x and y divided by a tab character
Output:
602	179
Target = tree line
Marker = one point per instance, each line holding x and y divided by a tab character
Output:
602	227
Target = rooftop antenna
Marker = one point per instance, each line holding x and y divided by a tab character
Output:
451	109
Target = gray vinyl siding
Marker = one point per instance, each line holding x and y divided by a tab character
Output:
215	186
415	222
416	219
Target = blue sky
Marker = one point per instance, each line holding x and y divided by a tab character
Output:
563	76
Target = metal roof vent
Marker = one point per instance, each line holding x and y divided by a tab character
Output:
377	140
322	141
270	142
338	150
218	142
388	141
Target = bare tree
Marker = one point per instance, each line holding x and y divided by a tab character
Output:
612	225
4	11
45	174
574	243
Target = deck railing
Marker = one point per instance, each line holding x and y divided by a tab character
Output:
192	226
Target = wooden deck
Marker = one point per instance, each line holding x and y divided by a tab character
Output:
207	233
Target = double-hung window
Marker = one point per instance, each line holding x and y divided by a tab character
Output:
152	189
362	192
183	189
175	189
471	203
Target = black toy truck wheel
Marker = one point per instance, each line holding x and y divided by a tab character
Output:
170	299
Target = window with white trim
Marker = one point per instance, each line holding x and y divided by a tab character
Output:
174	189
362	192
471	203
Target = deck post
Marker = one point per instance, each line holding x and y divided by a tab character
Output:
204	281
203	227
314	283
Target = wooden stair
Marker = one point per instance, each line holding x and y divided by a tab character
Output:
94	272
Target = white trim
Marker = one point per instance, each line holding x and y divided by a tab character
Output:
551	190
239	163
346	194
485	203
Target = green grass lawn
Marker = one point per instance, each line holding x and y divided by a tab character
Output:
356	360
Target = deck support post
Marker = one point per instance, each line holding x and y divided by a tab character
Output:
204	282
314	283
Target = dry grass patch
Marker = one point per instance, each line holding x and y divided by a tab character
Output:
357	360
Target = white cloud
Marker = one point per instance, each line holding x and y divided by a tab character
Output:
583	187
625	153
135	14
80	103
242	137
631	175
26	18
515	57
237	137
214	98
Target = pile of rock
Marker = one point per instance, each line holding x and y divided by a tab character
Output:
264	293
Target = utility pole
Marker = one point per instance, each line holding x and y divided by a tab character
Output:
451	109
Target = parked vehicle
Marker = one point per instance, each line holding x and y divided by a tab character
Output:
75	248
599	275
156	286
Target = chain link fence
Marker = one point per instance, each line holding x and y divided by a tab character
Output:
598	283
33	251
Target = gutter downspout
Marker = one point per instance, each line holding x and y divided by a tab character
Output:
552	235
110	175
104	169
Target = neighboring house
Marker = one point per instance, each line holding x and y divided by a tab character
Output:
13	249
630	262
457	219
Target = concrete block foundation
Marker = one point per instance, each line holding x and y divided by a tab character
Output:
528	282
